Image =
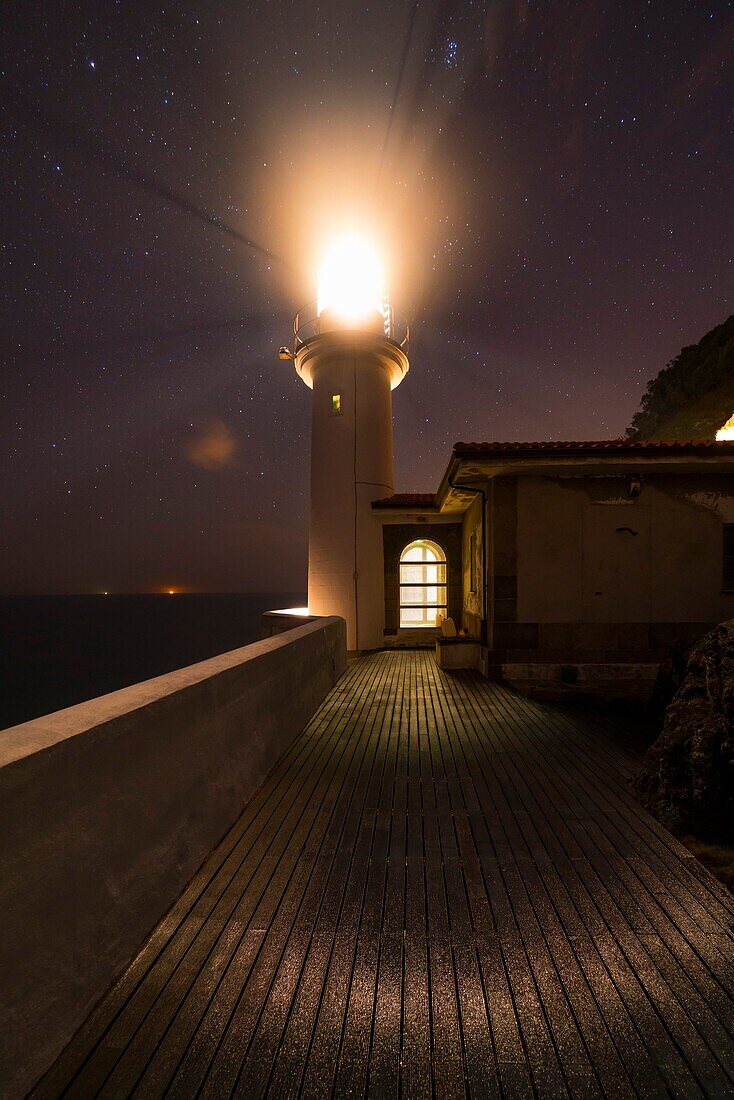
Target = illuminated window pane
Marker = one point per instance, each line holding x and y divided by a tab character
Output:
336	404
423	574
422	551
411	616
422	596
422	584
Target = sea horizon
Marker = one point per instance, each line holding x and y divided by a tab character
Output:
59	649
174	592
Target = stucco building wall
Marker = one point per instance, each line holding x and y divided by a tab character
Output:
588	552
599	572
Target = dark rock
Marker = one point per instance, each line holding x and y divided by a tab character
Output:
687	777
671	674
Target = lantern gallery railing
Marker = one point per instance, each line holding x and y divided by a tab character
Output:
306	325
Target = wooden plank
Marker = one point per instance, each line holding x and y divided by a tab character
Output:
449	1068
353	1059
384	1064
319	1062
295	994
510	992
561	873
569	1008
673	1012
479	1054
278	967
216	1027
443	888
603	823
560	730
417	1020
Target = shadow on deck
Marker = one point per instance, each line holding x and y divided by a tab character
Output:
443	887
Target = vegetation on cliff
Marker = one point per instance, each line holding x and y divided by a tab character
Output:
693	396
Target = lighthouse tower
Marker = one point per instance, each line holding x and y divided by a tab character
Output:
348	352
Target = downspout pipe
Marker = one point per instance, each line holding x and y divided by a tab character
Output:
483	493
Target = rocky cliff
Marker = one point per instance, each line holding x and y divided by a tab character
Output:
687	778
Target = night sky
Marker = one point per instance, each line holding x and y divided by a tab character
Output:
549	184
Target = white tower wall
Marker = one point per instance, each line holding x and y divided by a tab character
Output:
351	465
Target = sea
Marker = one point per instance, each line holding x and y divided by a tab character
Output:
56	651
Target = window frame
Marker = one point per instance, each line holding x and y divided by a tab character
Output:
439	586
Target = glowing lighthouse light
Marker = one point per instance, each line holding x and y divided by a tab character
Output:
351	281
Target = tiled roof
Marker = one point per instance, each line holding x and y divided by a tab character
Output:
407	500
599	447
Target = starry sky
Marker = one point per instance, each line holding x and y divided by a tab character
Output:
549	184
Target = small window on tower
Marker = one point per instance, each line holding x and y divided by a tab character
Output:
336	404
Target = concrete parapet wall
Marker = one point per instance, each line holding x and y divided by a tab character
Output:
108	808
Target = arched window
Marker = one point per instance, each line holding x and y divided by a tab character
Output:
422	583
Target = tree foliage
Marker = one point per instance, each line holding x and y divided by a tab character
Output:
695	371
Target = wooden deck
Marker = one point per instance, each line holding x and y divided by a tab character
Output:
443	889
